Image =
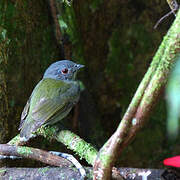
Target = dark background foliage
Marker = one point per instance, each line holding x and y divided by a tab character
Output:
116	42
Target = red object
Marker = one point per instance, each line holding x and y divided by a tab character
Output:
173	161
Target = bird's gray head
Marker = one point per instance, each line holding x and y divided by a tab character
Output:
62	70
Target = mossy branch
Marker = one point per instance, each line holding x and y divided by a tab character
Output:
71	140
142	103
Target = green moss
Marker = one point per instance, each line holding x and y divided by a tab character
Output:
82	148
85	150
43	170
105	159
24	150
47	131
2	170
72	141
14	140
89	175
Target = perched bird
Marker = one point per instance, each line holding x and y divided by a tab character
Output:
52	98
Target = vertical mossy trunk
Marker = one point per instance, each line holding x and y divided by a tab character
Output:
27	47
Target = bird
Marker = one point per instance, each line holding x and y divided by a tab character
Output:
52	98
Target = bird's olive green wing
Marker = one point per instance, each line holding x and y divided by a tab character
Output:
24	113
51	100
46	109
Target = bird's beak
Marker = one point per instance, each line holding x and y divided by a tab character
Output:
79	66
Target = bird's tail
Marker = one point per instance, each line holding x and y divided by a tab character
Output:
27	130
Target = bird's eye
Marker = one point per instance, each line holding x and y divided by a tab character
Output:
65	71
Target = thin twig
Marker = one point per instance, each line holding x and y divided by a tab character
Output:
161	19
173	6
